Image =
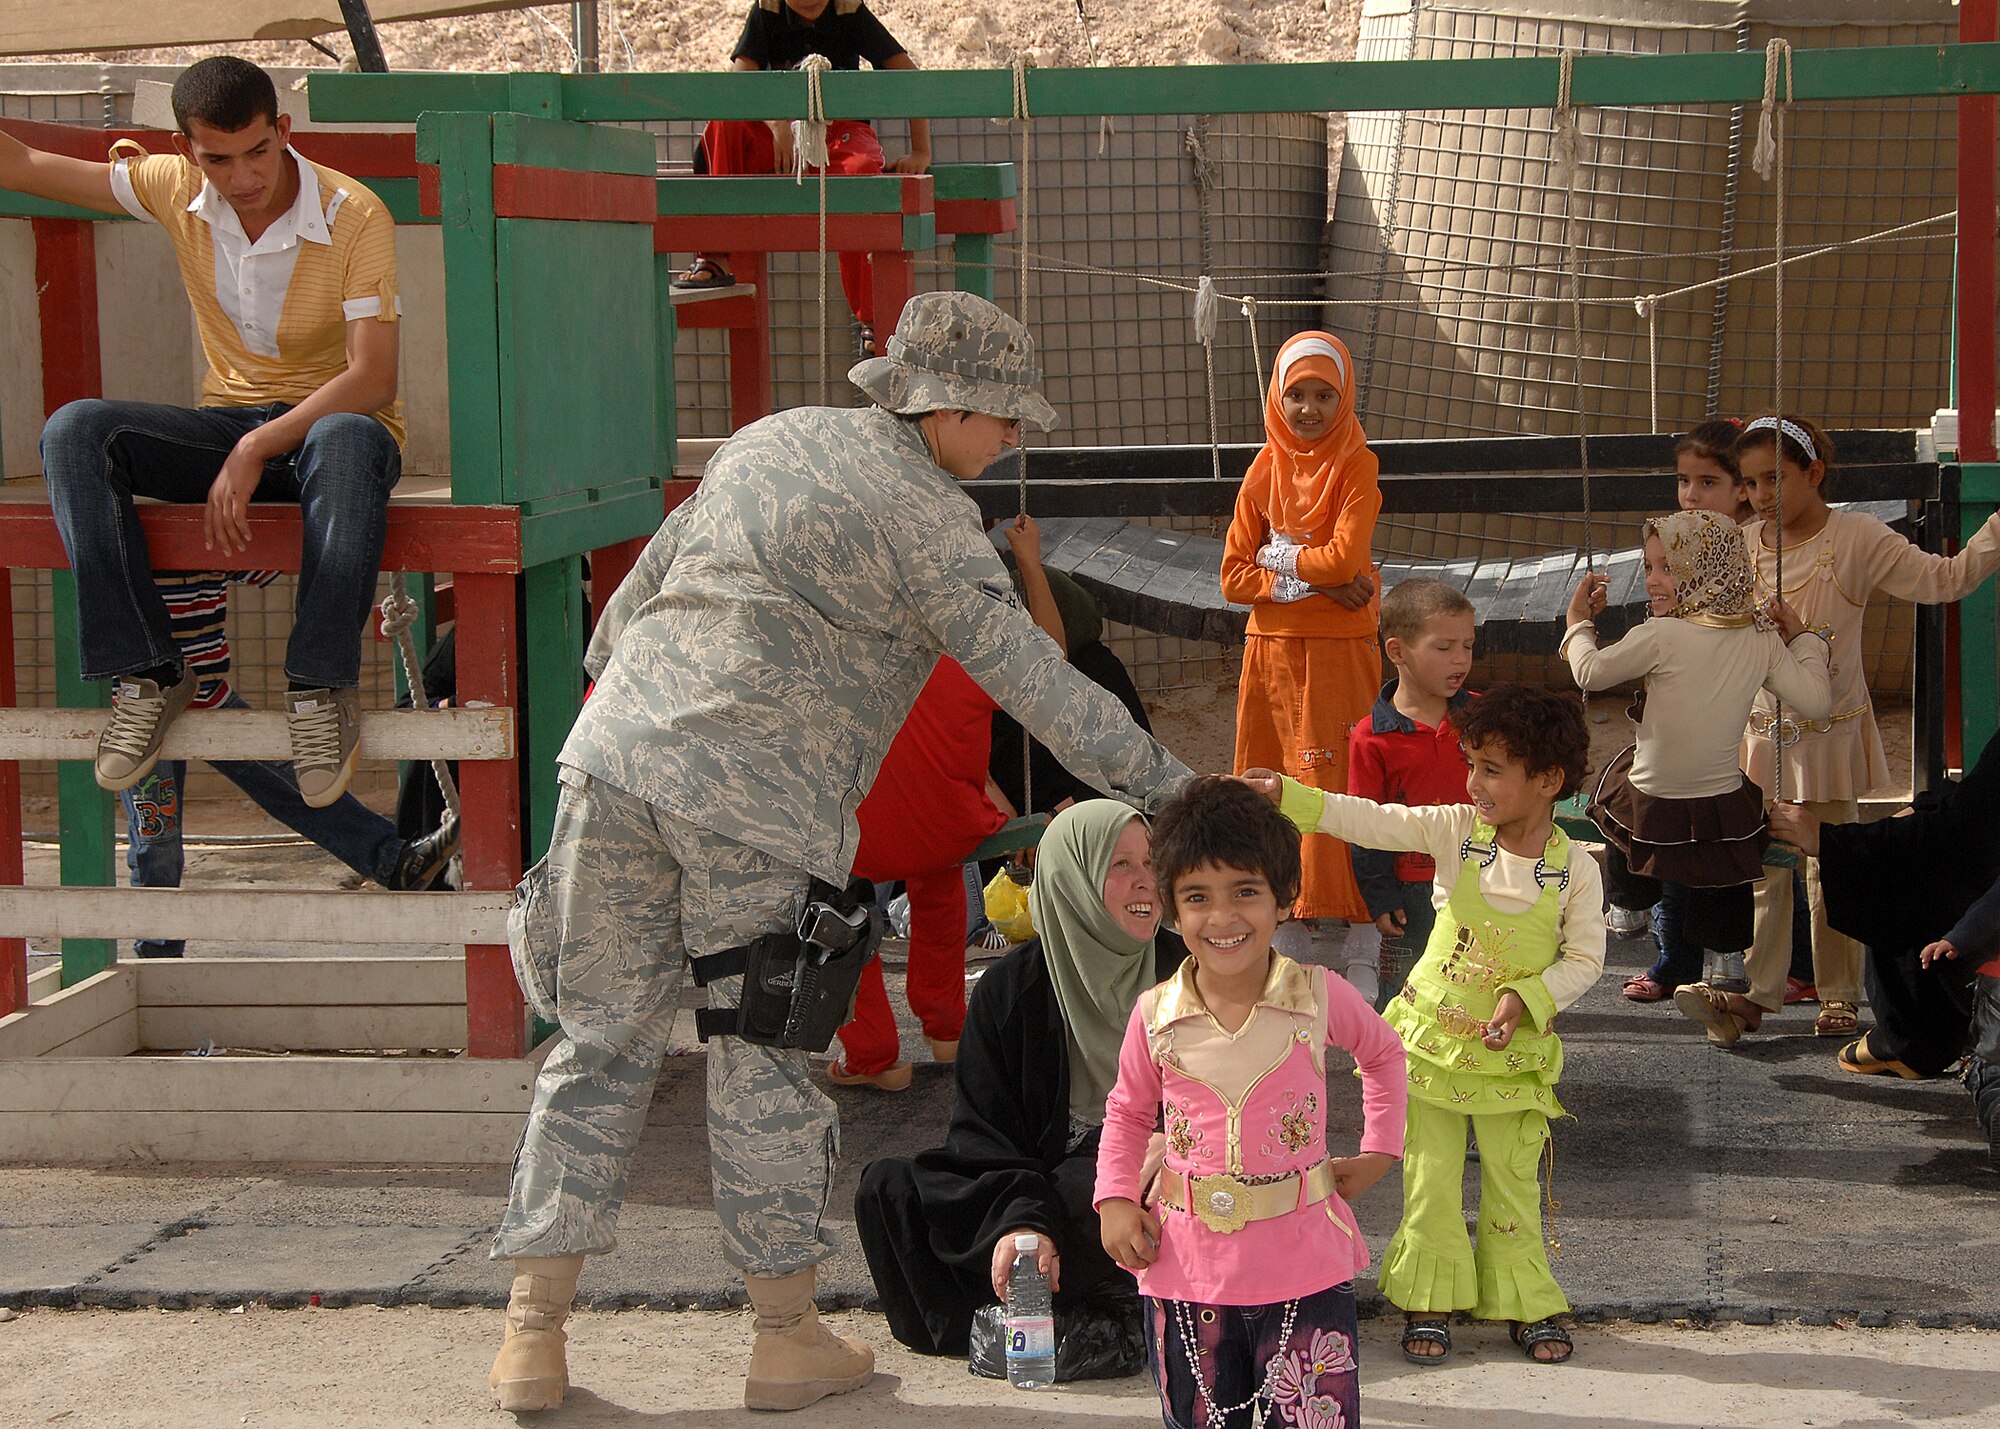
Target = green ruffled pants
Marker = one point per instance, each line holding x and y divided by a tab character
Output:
1431	1264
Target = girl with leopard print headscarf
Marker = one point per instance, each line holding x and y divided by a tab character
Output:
1676	808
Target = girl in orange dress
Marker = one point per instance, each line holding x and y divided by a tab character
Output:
1298	555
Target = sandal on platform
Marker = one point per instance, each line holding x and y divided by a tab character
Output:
1855	1057
1837	1019
1714	1011
1426	1330
1798	990
1531	1337
701	274
1642	988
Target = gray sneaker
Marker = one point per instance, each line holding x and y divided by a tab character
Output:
1729	974
140	713
326	733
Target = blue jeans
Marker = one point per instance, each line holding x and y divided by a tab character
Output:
347	828
98	455
1400	954
1680	957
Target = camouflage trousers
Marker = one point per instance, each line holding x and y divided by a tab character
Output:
607	922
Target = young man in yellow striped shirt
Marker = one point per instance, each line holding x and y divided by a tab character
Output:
290	268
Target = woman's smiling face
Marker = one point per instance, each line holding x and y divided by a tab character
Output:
1130	895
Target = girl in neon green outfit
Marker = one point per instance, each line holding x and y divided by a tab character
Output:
1519	937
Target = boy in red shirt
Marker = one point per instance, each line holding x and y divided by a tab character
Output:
1407	752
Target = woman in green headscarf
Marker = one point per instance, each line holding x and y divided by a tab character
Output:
1037	1058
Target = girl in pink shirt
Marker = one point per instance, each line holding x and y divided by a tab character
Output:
1248	1262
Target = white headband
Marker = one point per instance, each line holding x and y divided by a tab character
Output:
1791	429
1309	347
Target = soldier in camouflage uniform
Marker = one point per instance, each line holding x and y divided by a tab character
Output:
751	672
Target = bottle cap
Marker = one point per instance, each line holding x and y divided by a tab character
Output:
1027	1242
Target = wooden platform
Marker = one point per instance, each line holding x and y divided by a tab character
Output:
1170	582
172	1060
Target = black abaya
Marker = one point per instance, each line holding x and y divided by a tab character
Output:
928	1224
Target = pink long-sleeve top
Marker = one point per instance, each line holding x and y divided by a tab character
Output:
1251	1104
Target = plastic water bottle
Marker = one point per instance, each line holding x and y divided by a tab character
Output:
1031	1320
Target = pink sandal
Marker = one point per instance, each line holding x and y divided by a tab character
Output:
1643	989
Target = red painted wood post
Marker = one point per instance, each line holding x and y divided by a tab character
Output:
13	951
750	347
66	279
1978	21
609	565
895	277
490	791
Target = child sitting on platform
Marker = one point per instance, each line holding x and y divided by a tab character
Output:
1248	1268
1834	561
1406	752
779	34
1297	554
1674	808
1519	937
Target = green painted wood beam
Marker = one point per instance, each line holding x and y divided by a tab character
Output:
1881	72
1978	620
86	859
972	260
972	181
462	145
18	205
666	332
550	144
552	685
759	196
605	518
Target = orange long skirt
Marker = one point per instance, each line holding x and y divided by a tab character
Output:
1299	699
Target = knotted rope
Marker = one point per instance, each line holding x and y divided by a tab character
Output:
399	613
809	152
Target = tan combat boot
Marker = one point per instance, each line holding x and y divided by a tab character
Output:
529	1372
796	1360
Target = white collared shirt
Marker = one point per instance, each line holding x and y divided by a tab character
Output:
251	279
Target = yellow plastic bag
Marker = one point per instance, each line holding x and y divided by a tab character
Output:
1007	903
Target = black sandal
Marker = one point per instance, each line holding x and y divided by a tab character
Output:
1542	1332
703	273
1427	1330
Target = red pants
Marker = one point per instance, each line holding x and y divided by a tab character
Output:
745	146
935	982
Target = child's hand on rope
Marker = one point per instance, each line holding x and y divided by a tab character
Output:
1792	824
1131	1233
1785	619
1507	1015
1590	598
1024	539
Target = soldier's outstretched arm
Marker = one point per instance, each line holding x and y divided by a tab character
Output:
965	598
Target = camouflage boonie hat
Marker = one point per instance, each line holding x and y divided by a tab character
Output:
955	352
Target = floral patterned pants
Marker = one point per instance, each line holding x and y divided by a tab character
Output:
1316	1383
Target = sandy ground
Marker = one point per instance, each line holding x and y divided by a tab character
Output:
678	35
387	1368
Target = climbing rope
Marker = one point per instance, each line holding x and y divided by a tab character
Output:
1206	312
399	613
1649	314
809	152
1769	161
1104	125
1021	215
1563	156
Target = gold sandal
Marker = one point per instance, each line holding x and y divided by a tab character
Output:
1712	1009
1837	1019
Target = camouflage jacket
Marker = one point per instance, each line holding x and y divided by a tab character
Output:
753	668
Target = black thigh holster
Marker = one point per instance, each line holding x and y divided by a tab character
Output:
798	987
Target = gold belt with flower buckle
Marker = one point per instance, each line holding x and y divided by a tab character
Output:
1791	731
1228	1203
